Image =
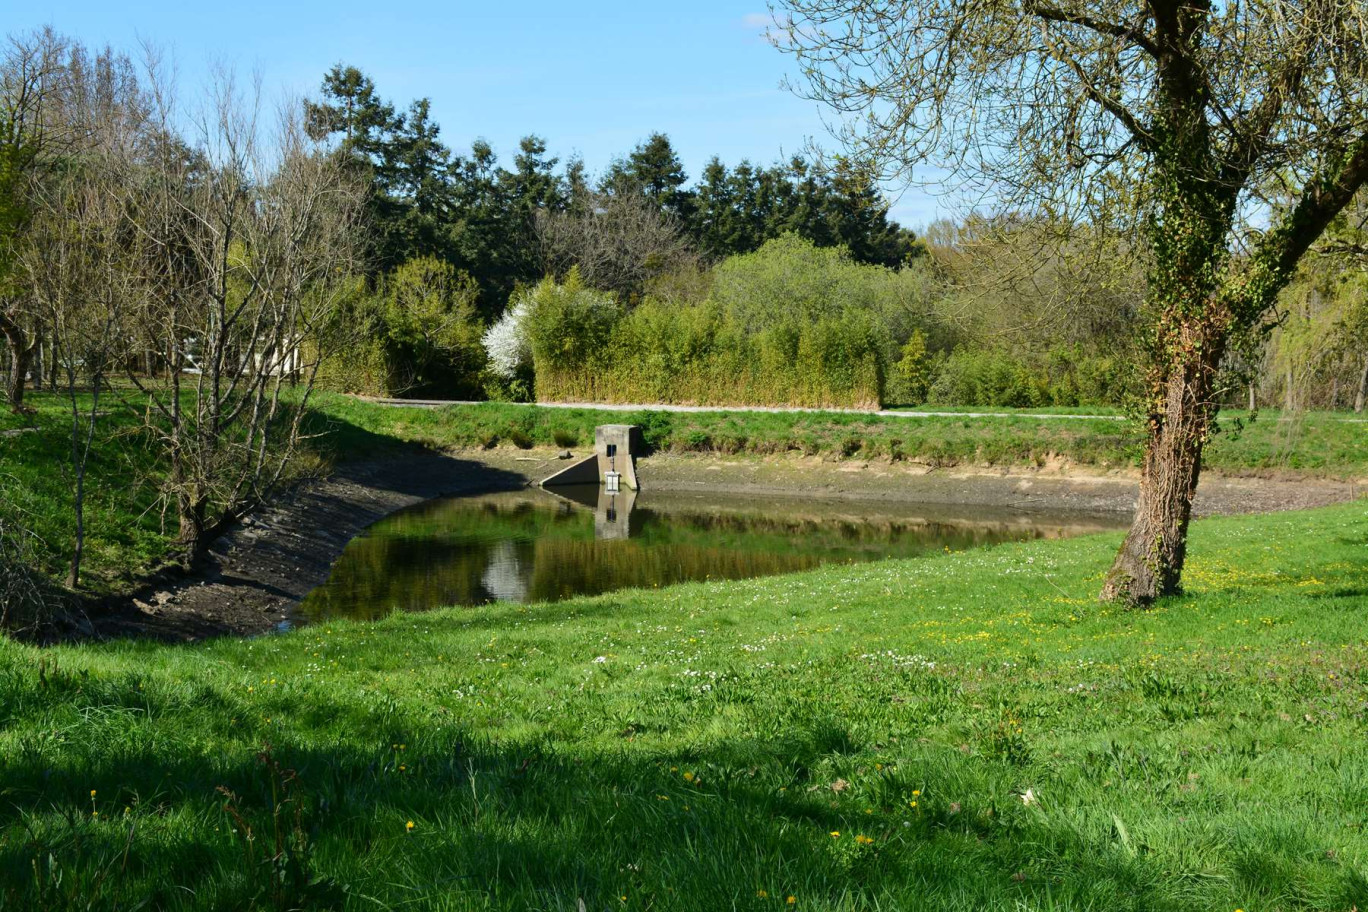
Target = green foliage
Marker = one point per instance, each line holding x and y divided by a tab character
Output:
909	381
432	330
418	334
569	326
855	737
998	378
791	324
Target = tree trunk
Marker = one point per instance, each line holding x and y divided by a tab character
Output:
78	540
1150	562
21	356
38	364
1252	401
1362	387
1289	400
190	511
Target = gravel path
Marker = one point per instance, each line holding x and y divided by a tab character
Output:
660	407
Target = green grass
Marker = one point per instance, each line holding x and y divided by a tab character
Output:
129	528
125	532
700	747
1319	443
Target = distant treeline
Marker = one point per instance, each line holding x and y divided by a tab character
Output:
785	284
483	218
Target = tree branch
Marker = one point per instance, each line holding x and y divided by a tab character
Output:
1277	253
1133	34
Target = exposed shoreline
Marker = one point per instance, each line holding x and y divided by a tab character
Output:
256	573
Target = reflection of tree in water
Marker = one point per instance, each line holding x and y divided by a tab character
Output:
563	569
516	547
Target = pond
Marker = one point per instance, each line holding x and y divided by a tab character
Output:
533	545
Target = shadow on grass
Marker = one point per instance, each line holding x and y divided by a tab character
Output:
739	823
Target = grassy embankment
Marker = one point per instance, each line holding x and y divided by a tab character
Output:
855	737
127	528
1320	443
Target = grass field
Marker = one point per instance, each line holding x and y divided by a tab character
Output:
963	731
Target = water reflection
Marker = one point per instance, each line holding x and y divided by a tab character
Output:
536	545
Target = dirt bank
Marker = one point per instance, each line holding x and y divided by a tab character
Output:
255	574
1057	487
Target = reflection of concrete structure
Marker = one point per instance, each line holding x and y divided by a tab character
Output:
612	512
611	515
615	449
504	577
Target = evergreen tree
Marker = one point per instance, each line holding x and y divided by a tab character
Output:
654	170
420	195
352	111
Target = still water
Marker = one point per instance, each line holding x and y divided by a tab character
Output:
533	545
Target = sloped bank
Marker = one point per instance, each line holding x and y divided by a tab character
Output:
256	572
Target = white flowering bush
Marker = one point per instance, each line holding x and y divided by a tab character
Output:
506	343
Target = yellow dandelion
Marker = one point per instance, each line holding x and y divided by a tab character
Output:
835	834
408	827
791	900
92	793
688	777
762	894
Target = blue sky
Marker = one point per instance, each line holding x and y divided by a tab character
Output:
593	78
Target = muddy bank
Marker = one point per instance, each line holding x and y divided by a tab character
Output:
257	573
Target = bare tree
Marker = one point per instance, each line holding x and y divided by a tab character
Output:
30	76
620	242
243	254
1186	123
74	267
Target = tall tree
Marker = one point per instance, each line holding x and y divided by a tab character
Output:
420	193
32	73
1163	116
381	146
352	112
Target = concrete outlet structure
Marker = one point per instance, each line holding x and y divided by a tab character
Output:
615	449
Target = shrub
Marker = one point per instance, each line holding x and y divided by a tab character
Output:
568	330
417	333
909	381
509	353
1062	377
784	327
564	438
